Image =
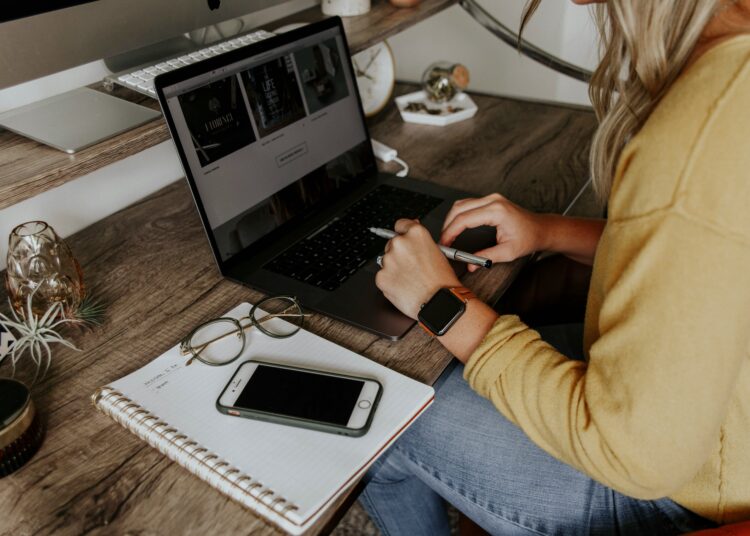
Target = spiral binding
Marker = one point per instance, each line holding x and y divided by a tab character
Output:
134	417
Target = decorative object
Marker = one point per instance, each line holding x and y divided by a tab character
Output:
21	430
418	108
90	312
41	264
35	334
375	69
442	81
345	8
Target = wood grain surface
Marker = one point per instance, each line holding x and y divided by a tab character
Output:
28	168
152	264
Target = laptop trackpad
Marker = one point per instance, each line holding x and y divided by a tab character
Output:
361	303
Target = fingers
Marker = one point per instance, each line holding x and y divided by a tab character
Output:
462	205
467	220
379	281
500	253
403	225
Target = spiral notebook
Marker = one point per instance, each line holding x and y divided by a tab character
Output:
285	474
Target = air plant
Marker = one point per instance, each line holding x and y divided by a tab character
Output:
90	312
36	334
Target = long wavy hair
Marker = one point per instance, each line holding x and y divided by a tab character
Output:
644	45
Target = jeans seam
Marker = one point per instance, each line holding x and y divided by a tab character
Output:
373	510
435	474
375	479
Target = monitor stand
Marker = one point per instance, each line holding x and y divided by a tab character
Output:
76	119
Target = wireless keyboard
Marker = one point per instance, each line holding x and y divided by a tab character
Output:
141	79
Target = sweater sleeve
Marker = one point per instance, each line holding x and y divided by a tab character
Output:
643	414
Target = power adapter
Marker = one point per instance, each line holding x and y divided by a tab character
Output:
389	154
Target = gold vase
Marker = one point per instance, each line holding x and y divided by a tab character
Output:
40	262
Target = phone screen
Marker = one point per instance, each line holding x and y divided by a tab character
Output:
300	394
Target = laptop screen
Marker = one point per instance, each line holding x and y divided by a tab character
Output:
270	137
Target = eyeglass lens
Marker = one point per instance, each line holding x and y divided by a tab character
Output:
218	342
278	316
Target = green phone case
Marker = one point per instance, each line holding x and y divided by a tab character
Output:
295	421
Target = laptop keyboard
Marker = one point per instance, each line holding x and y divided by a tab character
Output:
331	255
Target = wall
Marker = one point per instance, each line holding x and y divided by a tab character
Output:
452	35
559	27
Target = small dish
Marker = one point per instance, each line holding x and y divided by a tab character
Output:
462	103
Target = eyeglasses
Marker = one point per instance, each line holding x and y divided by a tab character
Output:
222	340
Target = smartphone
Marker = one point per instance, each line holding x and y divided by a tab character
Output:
313	399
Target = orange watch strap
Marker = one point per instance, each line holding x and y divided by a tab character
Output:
425	328
462	293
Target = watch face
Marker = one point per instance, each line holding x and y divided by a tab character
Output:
442	311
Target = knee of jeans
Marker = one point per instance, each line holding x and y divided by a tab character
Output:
389	469
431	431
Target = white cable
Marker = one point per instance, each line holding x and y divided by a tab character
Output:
389	154
577	197
405	171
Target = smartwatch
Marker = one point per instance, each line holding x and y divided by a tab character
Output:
443	310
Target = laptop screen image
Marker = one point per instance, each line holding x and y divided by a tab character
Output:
270	137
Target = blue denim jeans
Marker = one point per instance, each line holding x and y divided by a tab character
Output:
463	451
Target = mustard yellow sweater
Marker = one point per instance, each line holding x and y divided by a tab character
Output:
661	407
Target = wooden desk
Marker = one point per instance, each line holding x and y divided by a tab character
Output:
152	264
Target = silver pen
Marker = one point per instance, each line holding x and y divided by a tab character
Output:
451	253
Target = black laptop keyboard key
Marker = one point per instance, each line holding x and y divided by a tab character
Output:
335	253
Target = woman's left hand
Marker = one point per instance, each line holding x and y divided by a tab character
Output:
414	268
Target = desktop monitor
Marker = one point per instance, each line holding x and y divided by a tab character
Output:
46	36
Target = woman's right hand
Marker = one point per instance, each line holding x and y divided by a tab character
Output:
518	231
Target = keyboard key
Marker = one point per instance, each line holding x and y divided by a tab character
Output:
187	59
337	251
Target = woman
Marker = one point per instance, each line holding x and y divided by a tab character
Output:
650	433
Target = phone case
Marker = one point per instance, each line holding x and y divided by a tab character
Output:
294	421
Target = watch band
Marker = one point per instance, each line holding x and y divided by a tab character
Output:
462	293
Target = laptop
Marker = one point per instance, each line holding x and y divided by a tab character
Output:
273	141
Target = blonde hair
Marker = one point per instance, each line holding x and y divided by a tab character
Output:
644	44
